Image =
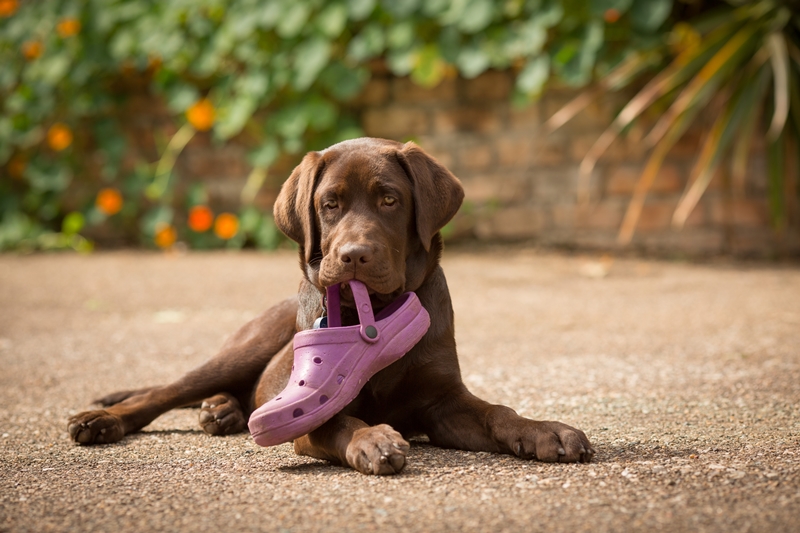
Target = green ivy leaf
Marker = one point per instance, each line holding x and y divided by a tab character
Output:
649	15
73	223
472	61
267	235
180	96
476	16
401	8
290	122
342	82
249	220
332	20
321	114
234	116
293	19
310	58
400	35
533	77
265	155
360	9
367	44
429	67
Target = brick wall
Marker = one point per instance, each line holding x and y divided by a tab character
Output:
520	182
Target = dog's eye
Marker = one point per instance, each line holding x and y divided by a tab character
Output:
330	204
389	200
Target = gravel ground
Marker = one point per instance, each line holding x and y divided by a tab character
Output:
685	377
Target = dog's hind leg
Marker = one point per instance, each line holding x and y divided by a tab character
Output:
234	371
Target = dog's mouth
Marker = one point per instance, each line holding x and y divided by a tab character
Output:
378	300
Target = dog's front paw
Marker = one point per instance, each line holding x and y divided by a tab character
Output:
222	415
553	442
378	450
95	427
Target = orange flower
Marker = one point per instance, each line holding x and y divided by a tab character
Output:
200	218
16	167
8	7
201	115
109	201
165	236
68	27
32	49
226	226
611	15
59	136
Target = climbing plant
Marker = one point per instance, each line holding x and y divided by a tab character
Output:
280	72
741	59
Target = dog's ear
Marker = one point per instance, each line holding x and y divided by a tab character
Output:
437	193
294	207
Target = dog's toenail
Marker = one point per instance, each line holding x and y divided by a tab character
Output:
103	431
561	451
383	459
204	405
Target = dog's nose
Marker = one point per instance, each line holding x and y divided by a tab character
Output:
355	253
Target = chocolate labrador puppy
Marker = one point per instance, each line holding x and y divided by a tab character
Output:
371	210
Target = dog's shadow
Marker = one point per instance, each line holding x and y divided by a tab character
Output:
422	456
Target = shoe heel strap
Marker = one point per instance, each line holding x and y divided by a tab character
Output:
369	332
334	309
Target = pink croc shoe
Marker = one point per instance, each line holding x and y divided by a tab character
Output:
332	364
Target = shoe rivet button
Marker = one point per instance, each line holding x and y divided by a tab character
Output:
371	332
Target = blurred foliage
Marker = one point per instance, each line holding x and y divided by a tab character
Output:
279	72
741	62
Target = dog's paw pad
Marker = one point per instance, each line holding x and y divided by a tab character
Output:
554	442
222	415
378	450
95	427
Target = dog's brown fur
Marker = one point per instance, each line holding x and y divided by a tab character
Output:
367	209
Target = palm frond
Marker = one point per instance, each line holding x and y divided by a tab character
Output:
681	69
703	85
624	73
716	144
779	57
741	149
734	51
654	163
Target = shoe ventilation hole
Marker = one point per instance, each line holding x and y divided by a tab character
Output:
297	412
318	360
339	379
278	398
323	399
301	382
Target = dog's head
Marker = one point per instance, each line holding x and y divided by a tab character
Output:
368	209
